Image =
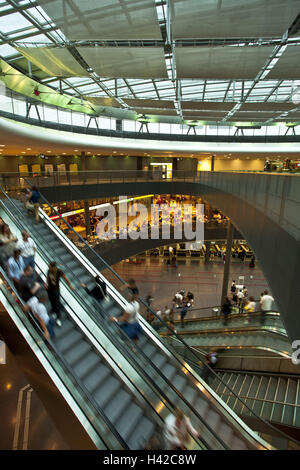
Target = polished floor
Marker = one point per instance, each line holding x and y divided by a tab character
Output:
24	423
204	280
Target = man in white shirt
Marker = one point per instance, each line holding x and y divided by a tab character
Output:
37	306
28	249
265	305
240	297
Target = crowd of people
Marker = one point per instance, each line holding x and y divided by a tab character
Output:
245	303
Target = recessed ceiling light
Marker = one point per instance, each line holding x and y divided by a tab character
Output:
2	145
64	153
76	150
48	151
23	152
28	148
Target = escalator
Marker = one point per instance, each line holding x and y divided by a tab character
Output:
162	378
84	375
241	332
275	398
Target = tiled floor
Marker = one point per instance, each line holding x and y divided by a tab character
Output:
204	280
24	422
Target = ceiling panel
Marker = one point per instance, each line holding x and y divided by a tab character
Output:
267	106
154	111
126	62
232	18
258	115
203	117
57	62
221	62
161	104
105	19
213	105
98	101
288	65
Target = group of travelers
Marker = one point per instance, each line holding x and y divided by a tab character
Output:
246	303
17	259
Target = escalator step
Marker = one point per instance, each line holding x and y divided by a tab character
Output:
238	444
189	394
74	354
86	364
213	419
67	326
115	408
158	359
168	371
225	433
201	406
106	391
96	376
149	349
142	433
129	420
179	382
69	340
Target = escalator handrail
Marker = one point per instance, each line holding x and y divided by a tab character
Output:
60	359
164	323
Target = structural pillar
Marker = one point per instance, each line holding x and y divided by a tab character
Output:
87	219
207	253
227	261
119	125
83	165
212	166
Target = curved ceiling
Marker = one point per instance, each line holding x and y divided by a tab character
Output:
17	138
117	54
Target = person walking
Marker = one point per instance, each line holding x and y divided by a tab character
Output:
240	298
183	313
15	266
37	306
132	287
178	430
53	287
129	320
233	287
28	249
98	292
265	305
30	283
34	198
250	307
7	243
226	310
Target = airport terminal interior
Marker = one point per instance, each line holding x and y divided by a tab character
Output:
149	225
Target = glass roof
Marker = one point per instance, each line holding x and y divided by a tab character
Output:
25	22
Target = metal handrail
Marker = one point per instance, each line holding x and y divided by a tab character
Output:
60	359
165	324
